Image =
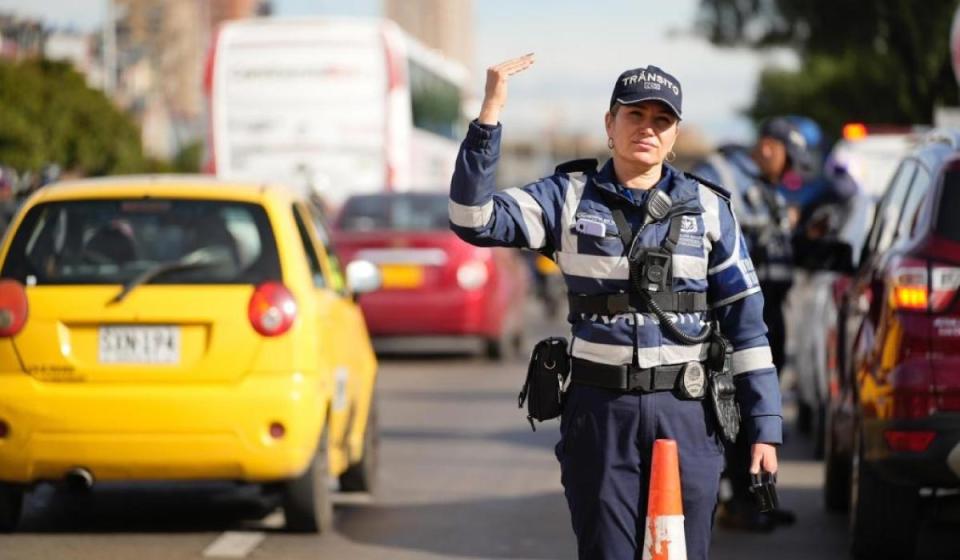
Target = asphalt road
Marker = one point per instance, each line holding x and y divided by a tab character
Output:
463	477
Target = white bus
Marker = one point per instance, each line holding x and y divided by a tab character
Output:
336	106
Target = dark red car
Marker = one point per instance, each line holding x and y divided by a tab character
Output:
434	284
894	416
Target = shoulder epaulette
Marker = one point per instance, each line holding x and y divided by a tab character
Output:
720	191
578	166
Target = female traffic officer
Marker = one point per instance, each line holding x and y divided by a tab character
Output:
634	376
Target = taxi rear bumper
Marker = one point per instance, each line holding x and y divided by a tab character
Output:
129	432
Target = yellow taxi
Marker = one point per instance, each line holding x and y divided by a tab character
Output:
183	329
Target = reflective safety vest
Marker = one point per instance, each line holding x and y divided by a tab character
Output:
549	215
567	215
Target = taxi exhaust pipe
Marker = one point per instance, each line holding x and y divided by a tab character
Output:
79	479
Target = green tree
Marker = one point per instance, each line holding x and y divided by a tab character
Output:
880	61
49	114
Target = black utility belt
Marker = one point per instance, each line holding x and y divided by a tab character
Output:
689	379
614	304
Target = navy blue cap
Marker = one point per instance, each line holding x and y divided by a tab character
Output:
784	131
647	84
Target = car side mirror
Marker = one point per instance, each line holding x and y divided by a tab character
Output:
832	254
363	277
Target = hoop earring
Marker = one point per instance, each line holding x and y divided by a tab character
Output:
610	143
671	157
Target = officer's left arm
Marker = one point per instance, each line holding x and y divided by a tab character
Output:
737	302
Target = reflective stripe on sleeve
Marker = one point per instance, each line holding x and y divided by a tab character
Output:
711	215
594	266
532	217
752	359
470	216
735	297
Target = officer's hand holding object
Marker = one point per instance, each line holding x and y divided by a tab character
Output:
495	92
763	458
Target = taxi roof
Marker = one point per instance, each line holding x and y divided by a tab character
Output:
164	185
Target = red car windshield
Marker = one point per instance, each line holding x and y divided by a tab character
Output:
399	212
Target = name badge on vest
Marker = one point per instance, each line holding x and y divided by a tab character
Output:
693	381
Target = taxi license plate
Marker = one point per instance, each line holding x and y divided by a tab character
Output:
139	345
402	276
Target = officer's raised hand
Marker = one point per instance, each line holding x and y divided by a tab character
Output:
495	92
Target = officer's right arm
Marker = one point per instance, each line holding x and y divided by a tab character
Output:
513	218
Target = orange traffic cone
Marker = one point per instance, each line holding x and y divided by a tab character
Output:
664	538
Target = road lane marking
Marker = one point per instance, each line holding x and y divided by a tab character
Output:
234	544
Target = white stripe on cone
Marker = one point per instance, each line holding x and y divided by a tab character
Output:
664	538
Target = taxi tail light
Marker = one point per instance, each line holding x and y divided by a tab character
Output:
911	441
917	285
13	307
272	309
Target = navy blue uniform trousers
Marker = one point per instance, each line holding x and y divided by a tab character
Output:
605	450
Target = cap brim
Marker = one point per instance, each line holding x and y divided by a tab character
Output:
634	99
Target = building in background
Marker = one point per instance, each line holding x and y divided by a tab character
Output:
78	49
21	38
445	25
161	47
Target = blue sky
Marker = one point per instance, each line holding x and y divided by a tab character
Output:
581	47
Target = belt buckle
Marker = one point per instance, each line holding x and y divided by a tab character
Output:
636	382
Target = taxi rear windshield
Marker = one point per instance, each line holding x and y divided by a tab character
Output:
117	241
400	212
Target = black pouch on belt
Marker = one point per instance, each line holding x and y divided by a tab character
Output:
721	388
546	374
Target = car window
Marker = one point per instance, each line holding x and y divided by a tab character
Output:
948	207
400	212
319	222
316	271
888	215
914	203
112	241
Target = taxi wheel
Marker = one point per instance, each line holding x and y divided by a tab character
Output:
884	517
362	475
307	503
11	504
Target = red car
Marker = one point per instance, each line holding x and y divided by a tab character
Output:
894	419
434	284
